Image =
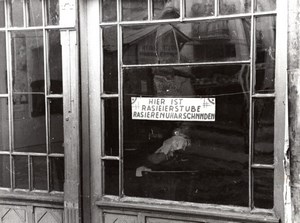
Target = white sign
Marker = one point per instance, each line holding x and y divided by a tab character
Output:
173	109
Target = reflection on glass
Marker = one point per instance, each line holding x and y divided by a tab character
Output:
57	174
3	69
265	54
166	9
111	129
210	164
2	14
265	5
29	123
111	177
16	7
35	13
39	169
199	8
4	171
53	12
228	7
264	131
55	62
56	125
110	64
133	10
21	172
109	10
263	188
27	61
4	125
221	40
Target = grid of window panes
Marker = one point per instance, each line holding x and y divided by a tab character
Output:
31	100
220	49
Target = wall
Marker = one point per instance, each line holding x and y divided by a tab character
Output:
294	103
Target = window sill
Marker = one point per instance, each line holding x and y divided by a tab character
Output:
192	210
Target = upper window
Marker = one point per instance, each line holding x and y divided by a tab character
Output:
188	98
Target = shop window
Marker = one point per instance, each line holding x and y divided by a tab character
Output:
189	89
31	105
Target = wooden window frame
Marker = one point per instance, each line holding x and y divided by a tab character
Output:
95	115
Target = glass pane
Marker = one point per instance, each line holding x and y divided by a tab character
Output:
228	7
263	188
163	9
39	165
4	125
56	126
197	161
29	123
57	174
266	5
53	12
2	13
110	61
55	62
111	127
222	40
3	69
111	180
265	54
28	61
17	12
199	8
4	171
109	10
264	131
21	172
35	13
134	10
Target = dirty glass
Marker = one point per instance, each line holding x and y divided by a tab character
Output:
29	123
4	171
110	60
199	8
228	7
204	169
111	177
57	174
264	131
53	12
39	173
3	66
263	188
2	13
109	10
265	5
223	40
163	9
133	10
4	125
56	125
16	13
21	166
55	62
111	127
35	13
265	54
27	61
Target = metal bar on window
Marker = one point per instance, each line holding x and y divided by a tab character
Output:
110	158
269	95
251	112
30	173
189	64
217	8
150	10
181	10
120	87
262	166
28	153
52	96
25	14
109	95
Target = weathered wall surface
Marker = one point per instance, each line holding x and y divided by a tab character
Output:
294	103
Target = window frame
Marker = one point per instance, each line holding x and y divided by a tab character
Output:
96	118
